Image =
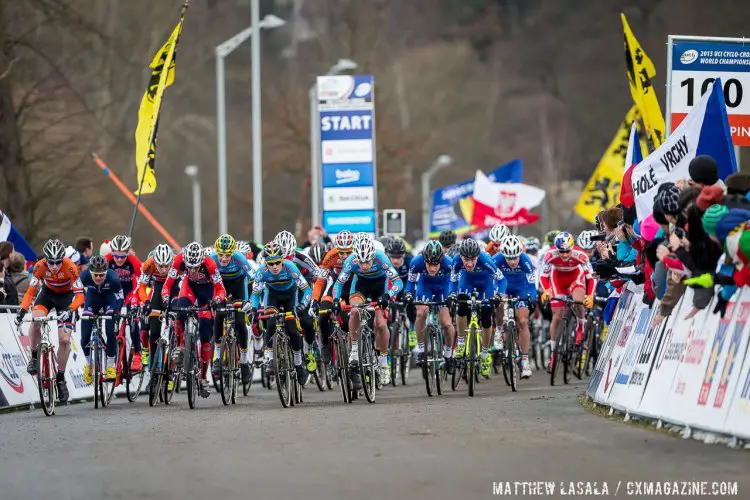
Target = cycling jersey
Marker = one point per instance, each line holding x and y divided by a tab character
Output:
205	274
381	268
521	279
403	269
452	251
492	248
106	296
304	263
128	272
65	281
563	276
290	279
485	278
329	269
427	287
149	277
237	268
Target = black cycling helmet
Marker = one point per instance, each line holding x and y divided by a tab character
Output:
447	238
433	252
317	252
469	248
395	248
98	264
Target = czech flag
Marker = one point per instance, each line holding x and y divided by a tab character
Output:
8	232
705	131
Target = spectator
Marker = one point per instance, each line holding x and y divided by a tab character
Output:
6	250
704	172
315	234
9	294
18	273
85	246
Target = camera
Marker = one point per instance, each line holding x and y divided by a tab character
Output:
599	237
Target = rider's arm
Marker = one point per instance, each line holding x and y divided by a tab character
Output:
77	287
213	271
36	278
501	284
117	297
259	287
306	262
415	269
247	270
546	273
528	268
325	270
393	284
455	274
346	271
172	275
301	283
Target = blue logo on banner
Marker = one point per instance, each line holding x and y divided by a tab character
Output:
353	220
347	174
346	124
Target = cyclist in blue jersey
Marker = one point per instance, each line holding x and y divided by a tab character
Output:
430	280
279	281
103	296
518	270
475	271
373	278
395	249
235	272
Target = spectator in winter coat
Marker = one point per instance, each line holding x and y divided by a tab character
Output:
18	273
8	295
704	172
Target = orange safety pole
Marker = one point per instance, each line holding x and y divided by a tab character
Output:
116	180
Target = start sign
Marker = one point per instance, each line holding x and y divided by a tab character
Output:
693	63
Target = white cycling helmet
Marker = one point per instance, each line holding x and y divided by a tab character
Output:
344	240
163	255
511	247
54	250
120	244
207	251
192	254
498	232
584	240
287	242
364	249
73	254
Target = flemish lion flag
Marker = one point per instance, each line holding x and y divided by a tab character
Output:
603	188
640	73
148	113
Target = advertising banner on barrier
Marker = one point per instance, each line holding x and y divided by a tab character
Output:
16	386
347	150
618	396
673	342
734	384
721	374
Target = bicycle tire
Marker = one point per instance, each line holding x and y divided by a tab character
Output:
394	355
367	366
133	381
561	328
428	366
246	387
297	386
511	360
120	368
471	364
191	372
319	373
97	376
281	370
405	361
566	351
235	357
46	380
155	382
226	373
342	367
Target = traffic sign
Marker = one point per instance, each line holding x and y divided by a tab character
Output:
394	222
693	63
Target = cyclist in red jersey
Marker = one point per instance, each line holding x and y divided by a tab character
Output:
128	268
201	285
497	233
566	271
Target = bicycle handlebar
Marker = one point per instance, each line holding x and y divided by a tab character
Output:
429	303
369	306
93	317
40	319
286	315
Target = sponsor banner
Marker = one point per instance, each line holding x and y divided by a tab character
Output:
618	396
341	89
348	198
722	371
348	175
345	124
695	64
349	151
16	386
735	391
354	220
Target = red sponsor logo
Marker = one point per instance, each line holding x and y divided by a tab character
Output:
8	371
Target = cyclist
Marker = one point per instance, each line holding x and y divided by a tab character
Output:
103	296
531	248
61	290
235	273
497	233
373	277
330	268
310	272
566	271
430	280
474	270
317	251
279	282
128	269
518	270
448	240
202	285
153	275
395	249
586	244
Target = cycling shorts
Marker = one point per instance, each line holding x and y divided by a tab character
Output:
368	288
436	292
48	300
468	283
521	293
565	284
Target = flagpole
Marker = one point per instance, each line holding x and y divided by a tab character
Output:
154	129
142	208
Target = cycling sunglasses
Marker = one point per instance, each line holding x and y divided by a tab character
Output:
54	262
119	255
274	263
99	275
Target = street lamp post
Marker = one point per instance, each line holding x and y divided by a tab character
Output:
222	51
440	163
341	66
192	172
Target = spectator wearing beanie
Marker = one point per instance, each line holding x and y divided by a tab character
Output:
668	203
704	172
710	195
738	183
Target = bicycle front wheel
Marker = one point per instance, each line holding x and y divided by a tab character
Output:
226	375
472	364
367	367
430	355
282	368
46	379
510	359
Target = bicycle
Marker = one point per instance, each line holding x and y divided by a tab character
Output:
133	380
340	357
230	358
368	361
564	351
163	368
320	374
287	385
432	367
511	355
46	376
191	367
398	346
468	367
589	350
539	331
103	387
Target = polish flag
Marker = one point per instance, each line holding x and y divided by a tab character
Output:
506	203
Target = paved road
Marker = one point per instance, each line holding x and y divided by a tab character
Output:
404	446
